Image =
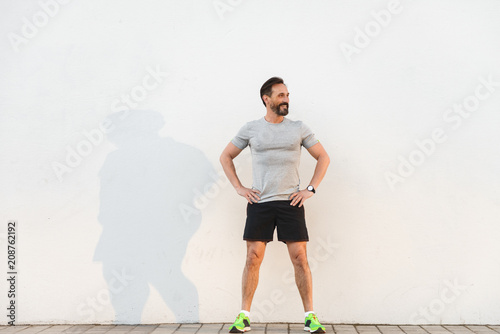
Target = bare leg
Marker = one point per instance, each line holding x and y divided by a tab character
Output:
303	277
255	255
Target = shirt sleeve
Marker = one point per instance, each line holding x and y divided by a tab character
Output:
242	137
308	137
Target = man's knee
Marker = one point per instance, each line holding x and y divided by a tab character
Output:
298	254
255	255
253	260
300	259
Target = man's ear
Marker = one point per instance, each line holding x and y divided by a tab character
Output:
266	99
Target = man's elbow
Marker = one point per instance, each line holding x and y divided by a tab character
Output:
325	158
224	158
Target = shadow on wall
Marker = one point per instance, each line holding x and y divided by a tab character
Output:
148	217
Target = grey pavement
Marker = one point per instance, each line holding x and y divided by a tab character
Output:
257	328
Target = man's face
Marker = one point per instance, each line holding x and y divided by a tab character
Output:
279	100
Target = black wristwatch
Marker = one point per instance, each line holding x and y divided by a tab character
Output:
311	188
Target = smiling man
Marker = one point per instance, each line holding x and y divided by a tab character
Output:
275	199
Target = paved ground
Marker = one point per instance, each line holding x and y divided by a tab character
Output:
256	328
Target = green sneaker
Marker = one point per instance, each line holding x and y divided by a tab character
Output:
312	324
241	325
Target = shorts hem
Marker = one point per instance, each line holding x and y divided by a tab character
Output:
263	240
288	240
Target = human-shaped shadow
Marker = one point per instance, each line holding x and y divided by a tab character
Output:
147	211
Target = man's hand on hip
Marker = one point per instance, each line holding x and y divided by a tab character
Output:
300	197
250	194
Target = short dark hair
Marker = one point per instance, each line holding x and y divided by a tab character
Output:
267	87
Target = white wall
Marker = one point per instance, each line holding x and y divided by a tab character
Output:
404	228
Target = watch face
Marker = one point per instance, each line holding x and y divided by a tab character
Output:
310	188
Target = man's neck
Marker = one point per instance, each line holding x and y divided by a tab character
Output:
271	117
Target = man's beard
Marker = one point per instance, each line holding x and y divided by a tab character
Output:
278	111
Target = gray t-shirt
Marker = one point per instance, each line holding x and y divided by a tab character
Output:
276	152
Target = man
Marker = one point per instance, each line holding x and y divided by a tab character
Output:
275	198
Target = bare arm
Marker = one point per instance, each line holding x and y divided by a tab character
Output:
323	160
226	160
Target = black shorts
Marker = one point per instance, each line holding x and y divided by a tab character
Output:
262	218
